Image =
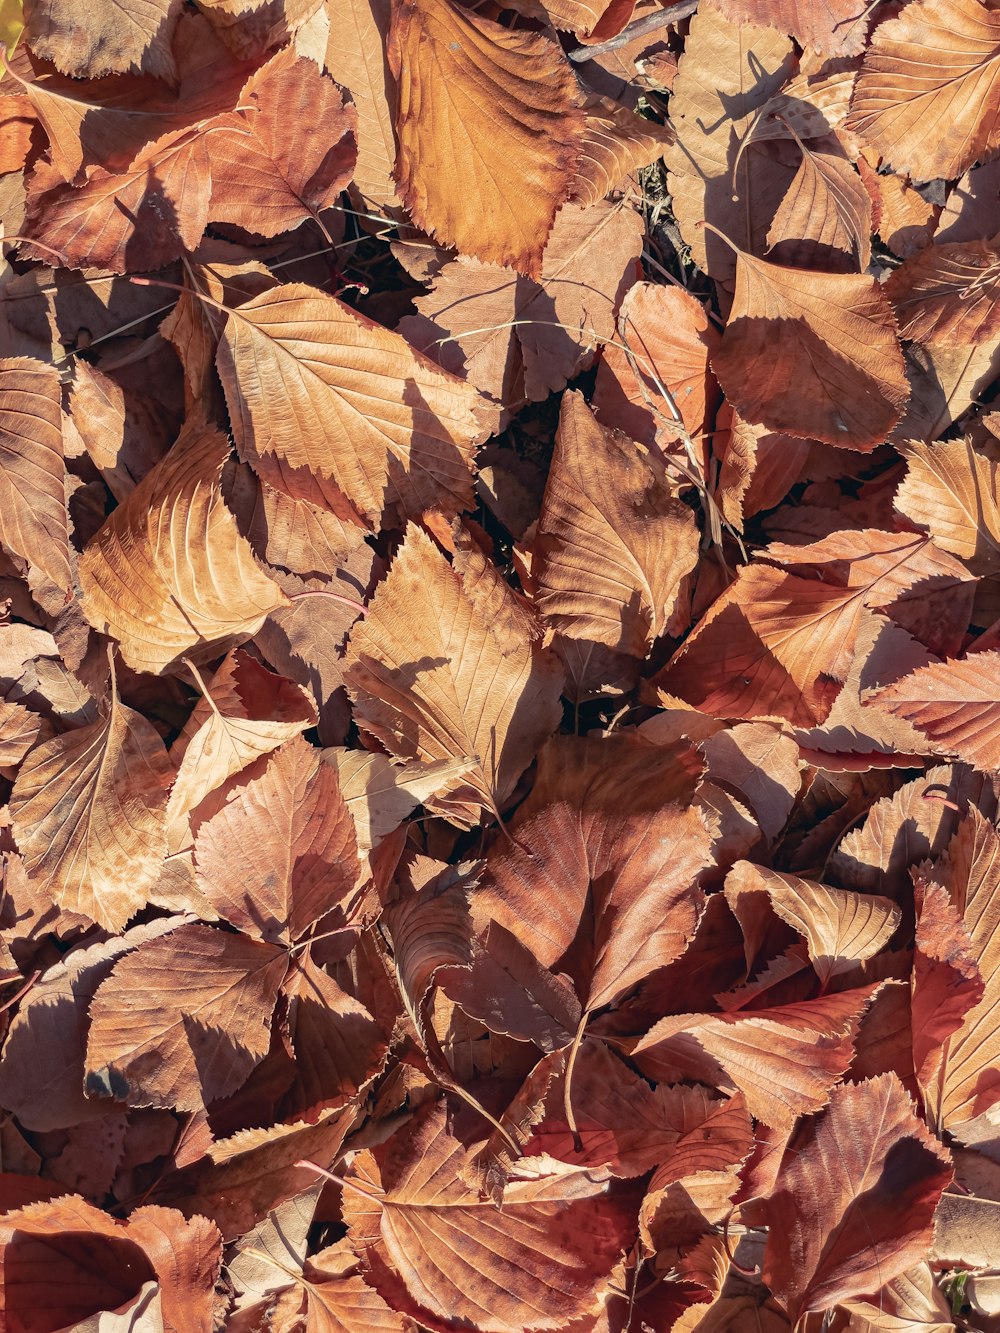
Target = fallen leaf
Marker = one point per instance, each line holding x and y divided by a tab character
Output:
473	100
464	676
813	354
320	395
288	809
948	293
161	594
123	37
728	71
34	524
873	1175
926	95
556	1239
266	177
89	813
183	1019
613	544
955	705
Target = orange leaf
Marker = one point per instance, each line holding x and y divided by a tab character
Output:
927	95
168	574
280	851
120	36
475	101
89	814
949	293
270	170
814	354
956	705
184	1019
540	1261
319	394
447	665
33	520
142	218
613	545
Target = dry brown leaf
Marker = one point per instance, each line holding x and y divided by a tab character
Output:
380	794
252	27
949	294
123	35
951	489
814	354
927	94
280	852
516	338
613	544
906	220
270	170
448	665
142	218
956	705
320	395
544	1258
42	1067
247	713
612	820
168	575
781	644
664	343
89	815
962	1082
846	1222
184	1019
355	56
840	928
784	1060
615	143
945	381
825	219
33	520
475	98
832	27
727	73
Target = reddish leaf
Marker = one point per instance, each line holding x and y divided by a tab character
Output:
855	1198
543	1258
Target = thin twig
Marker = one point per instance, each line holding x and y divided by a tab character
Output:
642	27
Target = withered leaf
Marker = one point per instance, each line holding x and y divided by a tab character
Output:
162	592
612	822
544	1257
814	354
131	36
89	815
927	94
949	293
33	520
448	664
863	1225
613	544
280	851
270	171
473	100
183	1020
319	394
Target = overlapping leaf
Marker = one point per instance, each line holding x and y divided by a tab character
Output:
321	395
473	100
159	590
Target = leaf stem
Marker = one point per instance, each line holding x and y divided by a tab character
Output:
574	1050
360	607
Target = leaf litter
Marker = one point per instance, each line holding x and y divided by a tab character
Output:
500	655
